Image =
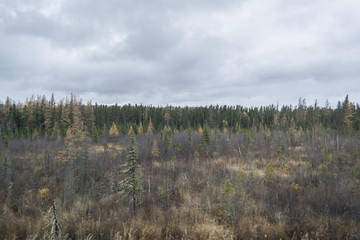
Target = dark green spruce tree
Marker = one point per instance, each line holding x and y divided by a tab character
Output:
130	186
205	137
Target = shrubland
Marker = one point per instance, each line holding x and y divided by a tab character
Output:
289	180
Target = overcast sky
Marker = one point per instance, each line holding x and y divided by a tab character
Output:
159	52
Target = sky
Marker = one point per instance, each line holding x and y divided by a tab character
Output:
182	53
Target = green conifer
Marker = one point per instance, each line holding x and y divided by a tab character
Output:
131	188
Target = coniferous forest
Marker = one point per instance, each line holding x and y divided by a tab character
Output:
74	170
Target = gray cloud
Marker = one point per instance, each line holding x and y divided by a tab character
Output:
181	52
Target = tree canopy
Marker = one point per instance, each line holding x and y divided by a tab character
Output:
40	116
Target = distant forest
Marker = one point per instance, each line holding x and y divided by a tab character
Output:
43	117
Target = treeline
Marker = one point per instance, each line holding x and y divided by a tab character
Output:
40	116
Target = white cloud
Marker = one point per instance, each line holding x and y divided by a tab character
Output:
197	53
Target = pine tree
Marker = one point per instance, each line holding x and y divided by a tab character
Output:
190	140
301	112
167	142
131	188
179	118
326	114
55	228
5	163
89	116
66	115
60	117
205	137
276	119
6	110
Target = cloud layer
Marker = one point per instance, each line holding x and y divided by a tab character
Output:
249	52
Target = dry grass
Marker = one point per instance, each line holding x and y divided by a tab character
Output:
98	148
287	197
115	146
211	230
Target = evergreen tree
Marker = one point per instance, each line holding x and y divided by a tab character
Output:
51	119
5	163
205	137
131	188
89	116
190	140
6	112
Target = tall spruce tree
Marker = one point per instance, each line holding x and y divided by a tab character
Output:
131	188
205	137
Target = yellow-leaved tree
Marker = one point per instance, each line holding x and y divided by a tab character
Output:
155	150
348	112
200	129
76	170
224	126
167	115
150	128
140	129
131	130
113	130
